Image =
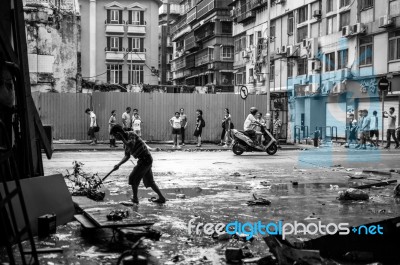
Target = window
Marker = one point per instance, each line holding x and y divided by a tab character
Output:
251	75
302	66
272	72
226	52
366	51
136	17
330	62
365	4
394	45
272	31
114	73
226	27
302	33
135	74
344	19
302	14
290	69
251	40
244	44
114	43
240	78
290	24
135	44
238	45
329	6
330	24
114	16
343	59
344	3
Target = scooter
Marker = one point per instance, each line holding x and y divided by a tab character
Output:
243	143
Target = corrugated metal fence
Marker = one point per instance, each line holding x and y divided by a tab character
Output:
65	112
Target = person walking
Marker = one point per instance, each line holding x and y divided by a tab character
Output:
111	123
226	128
134	146
353	130
93	128
200	124
390	133
127	120
184	123
137	124
365	129
359	127
277	127
374	129
176	125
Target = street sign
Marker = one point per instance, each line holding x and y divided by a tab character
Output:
244	92
383	84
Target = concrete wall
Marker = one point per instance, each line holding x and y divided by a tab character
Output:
53	40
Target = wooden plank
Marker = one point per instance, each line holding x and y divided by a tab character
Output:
377	184
84	221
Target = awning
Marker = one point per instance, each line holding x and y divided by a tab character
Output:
226	71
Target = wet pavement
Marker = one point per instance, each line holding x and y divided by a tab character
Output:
301	185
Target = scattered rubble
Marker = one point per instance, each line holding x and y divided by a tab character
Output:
353	195
235	174
258	201
397	191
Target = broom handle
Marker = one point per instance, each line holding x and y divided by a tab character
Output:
101	181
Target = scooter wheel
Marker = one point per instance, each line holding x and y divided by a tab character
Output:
237	150
272	149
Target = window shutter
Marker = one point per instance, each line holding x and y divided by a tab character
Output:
108	43
120	16
108	74
130	17
141	44
141	75
120	74
108	16
141	17
120	44
129	44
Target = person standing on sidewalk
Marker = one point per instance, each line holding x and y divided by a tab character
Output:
176	125
374	130
184	123
127	120
277	126
111	123
226	128
134	146
359	126
93	126
365	129
392	128
257	128
137	124
200	124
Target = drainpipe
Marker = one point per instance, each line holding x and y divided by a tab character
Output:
268	59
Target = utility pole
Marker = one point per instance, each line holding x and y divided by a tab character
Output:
164	48
268	59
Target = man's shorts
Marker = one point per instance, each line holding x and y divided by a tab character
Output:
142	170
366	134
176	131
373	133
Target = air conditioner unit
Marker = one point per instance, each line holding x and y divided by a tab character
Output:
386	21
316	65
314	88
359	28
312	46
317	14
251	79
278	50
346	31
261	78
339	88
245	54
305	44
233	13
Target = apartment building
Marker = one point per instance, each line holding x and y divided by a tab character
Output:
169	12
117	41
328	56
203	46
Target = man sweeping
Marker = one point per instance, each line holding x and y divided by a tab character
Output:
135	146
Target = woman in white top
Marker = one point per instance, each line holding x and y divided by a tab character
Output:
93	126
111	123
175	123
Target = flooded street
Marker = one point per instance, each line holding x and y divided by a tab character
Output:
214	187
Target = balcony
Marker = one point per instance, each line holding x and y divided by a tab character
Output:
114	54
204	59
136	29
247	15
136	56
114	28
205	34
190	42
191	15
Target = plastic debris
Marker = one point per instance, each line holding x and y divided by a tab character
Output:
258	201
180	196
235	174
234	255
353	194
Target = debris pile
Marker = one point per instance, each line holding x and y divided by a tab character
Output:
353	195
81	183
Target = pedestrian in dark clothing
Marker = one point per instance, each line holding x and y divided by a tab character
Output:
200	124
111	123
135	146
184	123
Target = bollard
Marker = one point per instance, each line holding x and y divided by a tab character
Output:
316	138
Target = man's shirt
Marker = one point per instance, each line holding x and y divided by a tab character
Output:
136	147
374	123
93	122
126	120
248	122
